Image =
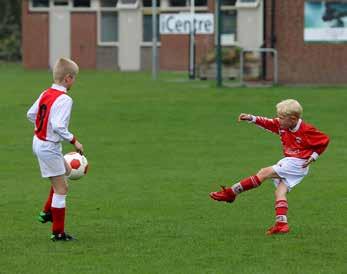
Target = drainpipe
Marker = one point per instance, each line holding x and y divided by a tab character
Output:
264	41
273	25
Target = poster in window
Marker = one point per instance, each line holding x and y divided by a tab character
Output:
325	21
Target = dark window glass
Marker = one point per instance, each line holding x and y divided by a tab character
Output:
129	2
228	2
147	28
178	3
108	3
40	3
229	22
200	3
61	2
81	3
109	27
148	3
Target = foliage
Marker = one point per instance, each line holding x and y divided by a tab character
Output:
10	30
230	56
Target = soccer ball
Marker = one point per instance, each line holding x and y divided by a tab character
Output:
78	164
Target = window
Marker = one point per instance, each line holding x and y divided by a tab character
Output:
108	3
228	2
128	2
247	1
40	3
61	2
148	3
81	3
147	28
109	26
200	3
178	3
228	22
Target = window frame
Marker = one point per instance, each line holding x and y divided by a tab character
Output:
121	5
228	8
39	9
254	4
94	4
99	14
148	12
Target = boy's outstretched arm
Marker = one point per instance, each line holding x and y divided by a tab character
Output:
271	125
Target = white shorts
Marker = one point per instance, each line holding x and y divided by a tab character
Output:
291	171
50	157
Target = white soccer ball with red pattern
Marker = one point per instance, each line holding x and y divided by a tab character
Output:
78	164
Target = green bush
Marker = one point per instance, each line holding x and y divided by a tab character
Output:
10	30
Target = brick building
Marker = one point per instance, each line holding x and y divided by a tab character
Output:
116	34
302	60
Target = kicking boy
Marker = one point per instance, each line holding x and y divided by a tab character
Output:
302	144
51	115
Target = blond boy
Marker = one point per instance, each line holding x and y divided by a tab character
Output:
302	144
51	115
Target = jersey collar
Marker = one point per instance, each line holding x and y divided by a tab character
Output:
296	128
58	87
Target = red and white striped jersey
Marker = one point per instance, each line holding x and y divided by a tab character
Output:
301	142
51	115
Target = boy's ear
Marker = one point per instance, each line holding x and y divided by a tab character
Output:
294	118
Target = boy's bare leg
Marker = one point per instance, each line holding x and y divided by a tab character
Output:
229	194
45	215
67	168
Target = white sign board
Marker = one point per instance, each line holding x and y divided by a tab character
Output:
183	23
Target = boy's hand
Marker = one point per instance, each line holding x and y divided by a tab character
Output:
245	117
79	147
308	162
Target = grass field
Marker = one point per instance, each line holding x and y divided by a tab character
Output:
156	149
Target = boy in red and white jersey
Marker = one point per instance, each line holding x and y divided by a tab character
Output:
302	144
51	115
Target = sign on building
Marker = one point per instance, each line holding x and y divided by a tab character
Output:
325	21
184	23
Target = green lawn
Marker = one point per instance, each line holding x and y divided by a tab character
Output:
156	149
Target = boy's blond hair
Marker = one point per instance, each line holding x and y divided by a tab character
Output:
63	67
289	107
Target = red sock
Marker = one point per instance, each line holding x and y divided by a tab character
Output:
48	204
281	208
58	216
58	213
246	184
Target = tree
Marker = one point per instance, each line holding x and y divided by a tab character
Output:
10	30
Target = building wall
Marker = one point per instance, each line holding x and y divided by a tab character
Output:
250	27
300	62
83	39
107	58
35	38
129	53
174	50
146	57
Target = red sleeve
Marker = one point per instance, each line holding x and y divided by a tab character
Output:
317	140
272	125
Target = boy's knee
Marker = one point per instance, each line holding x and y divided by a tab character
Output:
264	173
281	191
61	190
